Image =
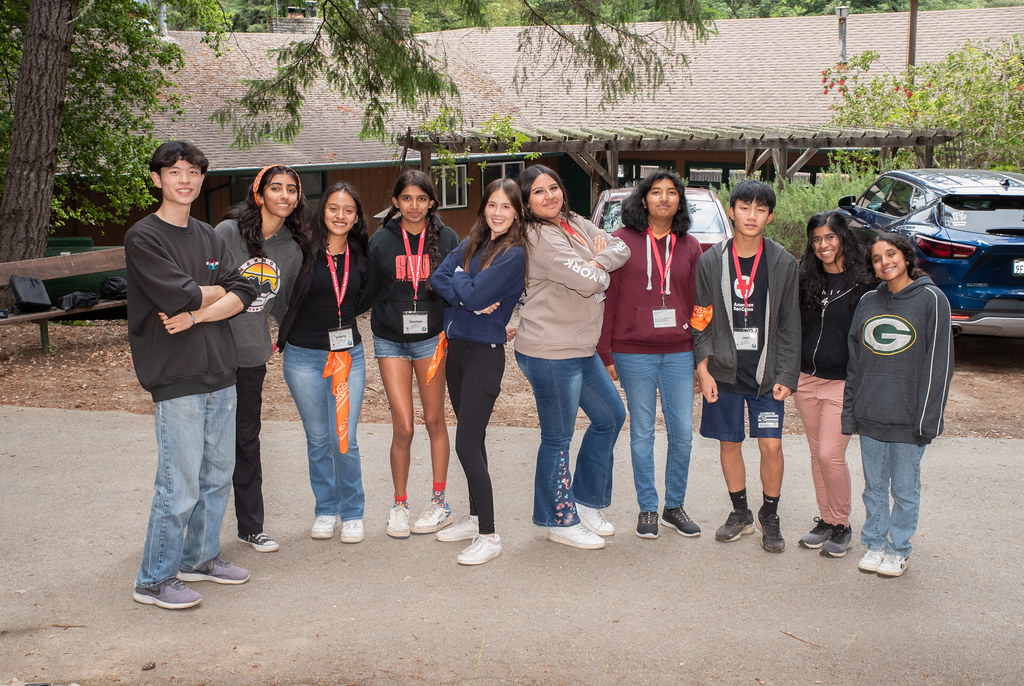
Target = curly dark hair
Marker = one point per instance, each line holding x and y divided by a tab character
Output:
421	180
249	215
318	233
480	234
850	259
901	243
634	208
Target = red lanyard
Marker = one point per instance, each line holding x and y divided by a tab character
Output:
339	293
414	273
746	286
571	232
670	246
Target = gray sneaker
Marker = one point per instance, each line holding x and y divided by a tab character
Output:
677	518
838	542
217	570
818	535
170	594
737	524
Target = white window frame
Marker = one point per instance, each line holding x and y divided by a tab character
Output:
519	164
441	175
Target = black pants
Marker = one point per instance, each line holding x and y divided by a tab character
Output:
474	372
248	477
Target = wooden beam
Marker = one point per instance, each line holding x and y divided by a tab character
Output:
761	159
590	165
800	162
64	265
425	160
780	154
613	170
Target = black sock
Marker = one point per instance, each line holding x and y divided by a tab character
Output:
739	500
771	505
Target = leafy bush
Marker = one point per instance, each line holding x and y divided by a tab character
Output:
796	202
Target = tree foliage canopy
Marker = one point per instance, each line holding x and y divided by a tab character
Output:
978	89
117	80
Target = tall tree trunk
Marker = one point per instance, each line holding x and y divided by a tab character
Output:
38	108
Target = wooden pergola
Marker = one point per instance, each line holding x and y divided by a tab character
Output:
597	150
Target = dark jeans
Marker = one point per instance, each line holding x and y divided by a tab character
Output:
248	477
474	372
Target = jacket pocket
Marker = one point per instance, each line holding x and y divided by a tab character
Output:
880	400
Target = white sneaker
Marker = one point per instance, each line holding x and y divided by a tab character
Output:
594	520
352	531
893	565
323	527
398	522
465	530
871	560
434	518
576	536
482	549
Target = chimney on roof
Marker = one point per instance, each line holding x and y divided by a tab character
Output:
385	14
299	20
842	13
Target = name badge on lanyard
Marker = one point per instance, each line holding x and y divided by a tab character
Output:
342	337
746	339
664	317
413	321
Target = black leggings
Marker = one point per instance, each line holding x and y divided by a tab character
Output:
474	372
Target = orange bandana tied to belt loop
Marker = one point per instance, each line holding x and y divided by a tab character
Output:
339	362
438	356
701	317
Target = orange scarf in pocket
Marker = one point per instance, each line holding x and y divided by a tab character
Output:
339	362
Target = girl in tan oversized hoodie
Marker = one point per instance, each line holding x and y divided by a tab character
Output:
560	323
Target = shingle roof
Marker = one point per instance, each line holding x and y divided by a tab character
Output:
754	72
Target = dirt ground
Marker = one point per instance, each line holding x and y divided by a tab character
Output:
89	368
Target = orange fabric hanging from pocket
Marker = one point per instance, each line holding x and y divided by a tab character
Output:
338	365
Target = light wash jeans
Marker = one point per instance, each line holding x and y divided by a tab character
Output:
195	436
335	477
561	388
895	467
643	377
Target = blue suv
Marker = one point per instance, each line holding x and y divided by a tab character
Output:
968	226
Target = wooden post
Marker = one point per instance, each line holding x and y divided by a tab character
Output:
613	168
425	159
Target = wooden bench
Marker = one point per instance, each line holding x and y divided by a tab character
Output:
61	266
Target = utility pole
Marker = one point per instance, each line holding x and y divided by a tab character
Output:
912	37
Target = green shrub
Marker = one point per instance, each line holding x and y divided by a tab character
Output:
797	202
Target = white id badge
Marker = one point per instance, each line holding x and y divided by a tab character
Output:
341	338
665	319
746	339
414	322
599	297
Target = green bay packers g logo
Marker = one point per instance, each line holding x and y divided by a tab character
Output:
887	334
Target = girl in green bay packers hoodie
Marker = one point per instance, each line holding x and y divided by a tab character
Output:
897	382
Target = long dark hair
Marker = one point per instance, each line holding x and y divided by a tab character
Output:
480	234
634	208
414	177
901	243
318	233
526	180
249	216
812	271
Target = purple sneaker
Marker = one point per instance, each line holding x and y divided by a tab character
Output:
170	594
217	570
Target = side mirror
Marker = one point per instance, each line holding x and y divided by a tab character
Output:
847	201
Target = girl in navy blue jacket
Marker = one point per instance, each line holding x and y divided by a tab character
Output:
482	280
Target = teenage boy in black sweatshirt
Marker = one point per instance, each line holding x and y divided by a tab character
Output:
746	343
182	288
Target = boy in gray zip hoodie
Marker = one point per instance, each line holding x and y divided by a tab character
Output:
746	344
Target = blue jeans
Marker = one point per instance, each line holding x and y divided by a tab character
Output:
561	388
195	438
895	467
643	377
336	477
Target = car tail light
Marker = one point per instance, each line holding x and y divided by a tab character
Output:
944	250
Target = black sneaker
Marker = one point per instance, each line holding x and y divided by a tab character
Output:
677	518
261	542
736	525
647	525
838	542
771	533
819	534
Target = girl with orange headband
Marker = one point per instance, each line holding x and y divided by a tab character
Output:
266	239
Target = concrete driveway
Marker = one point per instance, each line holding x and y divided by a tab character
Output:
75	489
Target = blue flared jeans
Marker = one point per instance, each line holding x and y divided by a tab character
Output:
895	468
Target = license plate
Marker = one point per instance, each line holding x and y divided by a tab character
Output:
1018	267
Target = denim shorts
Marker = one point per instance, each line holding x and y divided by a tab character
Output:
723	420
415	350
